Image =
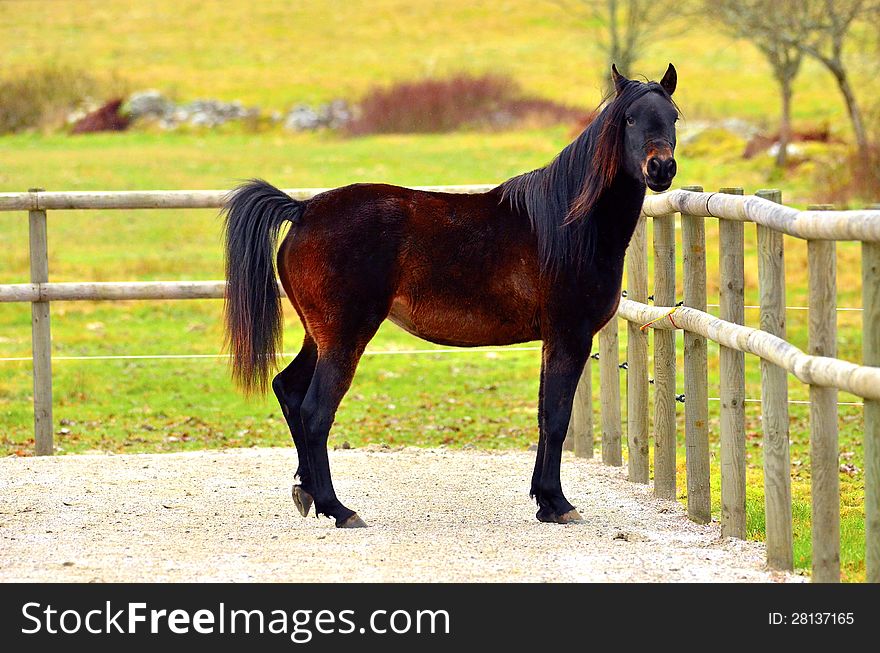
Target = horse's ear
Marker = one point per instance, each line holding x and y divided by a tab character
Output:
670	79
618	79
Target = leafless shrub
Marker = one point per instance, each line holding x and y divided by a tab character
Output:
442	105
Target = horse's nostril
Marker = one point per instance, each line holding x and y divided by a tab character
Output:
671	168
654	166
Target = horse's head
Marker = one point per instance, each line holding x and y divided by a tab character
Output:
645	117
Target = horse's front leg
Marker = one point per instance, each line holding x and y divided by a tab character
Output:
562	365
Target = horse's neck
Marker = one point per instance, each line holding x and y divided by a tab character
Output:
616	216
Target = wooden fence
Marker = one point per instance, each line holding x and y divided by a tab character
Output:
817	367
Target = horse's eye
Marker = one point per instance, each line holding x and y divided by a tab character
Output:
630	121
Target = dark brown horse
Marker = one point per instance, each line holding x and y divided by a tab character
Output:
540	257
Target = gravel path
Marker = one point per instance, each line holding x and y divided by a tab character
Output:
435	515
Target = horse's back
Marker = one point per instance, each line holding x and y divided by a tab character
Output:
384	203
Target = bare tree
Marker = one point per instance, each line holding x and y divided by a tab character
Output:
827	24
766	26
820	29
629	24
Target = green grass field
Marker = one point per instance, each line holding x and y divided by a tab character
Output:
276	54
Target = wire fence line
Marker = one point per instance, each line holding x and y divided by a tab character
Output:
368	352
839	309
392	352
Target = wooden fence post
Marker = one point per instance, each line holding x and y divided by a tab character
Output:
664	360
774	397
732	367
609	391
41	336
824	455
871	356
580	427
696	374
637	359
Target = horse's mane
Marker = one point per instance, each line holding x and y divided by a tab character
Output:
560	197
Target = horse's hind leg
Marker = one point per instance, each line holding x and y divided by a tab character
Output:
290	387
333	374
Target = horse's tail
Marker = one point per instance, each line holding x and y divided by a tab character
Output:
255	213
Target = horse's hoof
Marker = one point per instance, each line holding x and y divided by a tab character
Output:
570	517
352	522
546	516
302	499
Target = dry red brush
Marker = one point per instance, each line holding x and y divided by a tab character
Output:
443	105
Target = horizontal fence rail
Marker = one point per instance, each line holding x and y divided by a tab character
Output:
861	225
813	370
164	199
109	290
818	368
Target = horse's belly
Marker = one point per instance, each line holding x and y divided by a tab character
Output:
464	323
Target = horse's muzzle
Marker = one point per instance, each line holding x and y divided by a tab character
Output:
659	172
